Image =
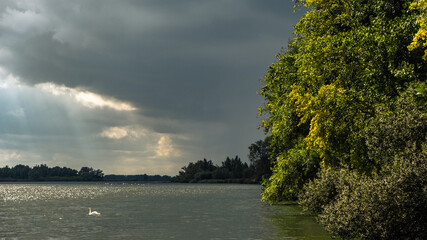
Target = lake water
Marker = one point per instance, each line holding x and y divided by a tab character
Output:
147	211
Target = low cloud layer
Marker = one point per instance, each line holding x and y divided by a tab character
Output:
134	86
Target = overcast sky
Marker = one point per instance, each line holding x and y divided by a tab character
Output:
134	87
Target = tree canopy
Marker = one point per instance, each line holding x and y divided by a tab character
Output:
347	59
346	110
260	159
232	170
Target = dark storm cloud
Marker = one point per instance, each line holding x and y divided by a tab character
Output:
170	59
181	63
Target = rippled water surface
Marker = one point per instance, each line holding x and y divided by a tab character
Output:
147	211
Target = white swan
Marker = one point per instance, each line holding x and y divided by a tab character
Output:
94	213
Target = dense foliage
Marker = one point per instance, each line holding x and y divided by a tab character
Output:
232	170
259	156
388	205
44	173
349	59
356	206
346	102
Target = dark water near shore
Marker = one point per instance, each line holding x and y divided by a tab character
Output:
147	211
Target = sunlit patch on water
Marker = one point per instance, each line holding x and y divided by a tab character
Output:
57	191
31	192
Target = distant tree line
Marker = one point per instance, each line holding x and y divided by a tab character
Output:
44	173
232	170
140	177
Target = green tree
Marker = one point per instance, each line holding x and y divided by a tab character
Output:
5	172
221	173
290	174
347	59
200	170
231	170
235	166
90	174
20	171
38	172
259	156
353	56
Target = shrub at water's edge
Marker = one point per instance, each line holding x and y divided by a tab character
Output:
387	206
392	203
